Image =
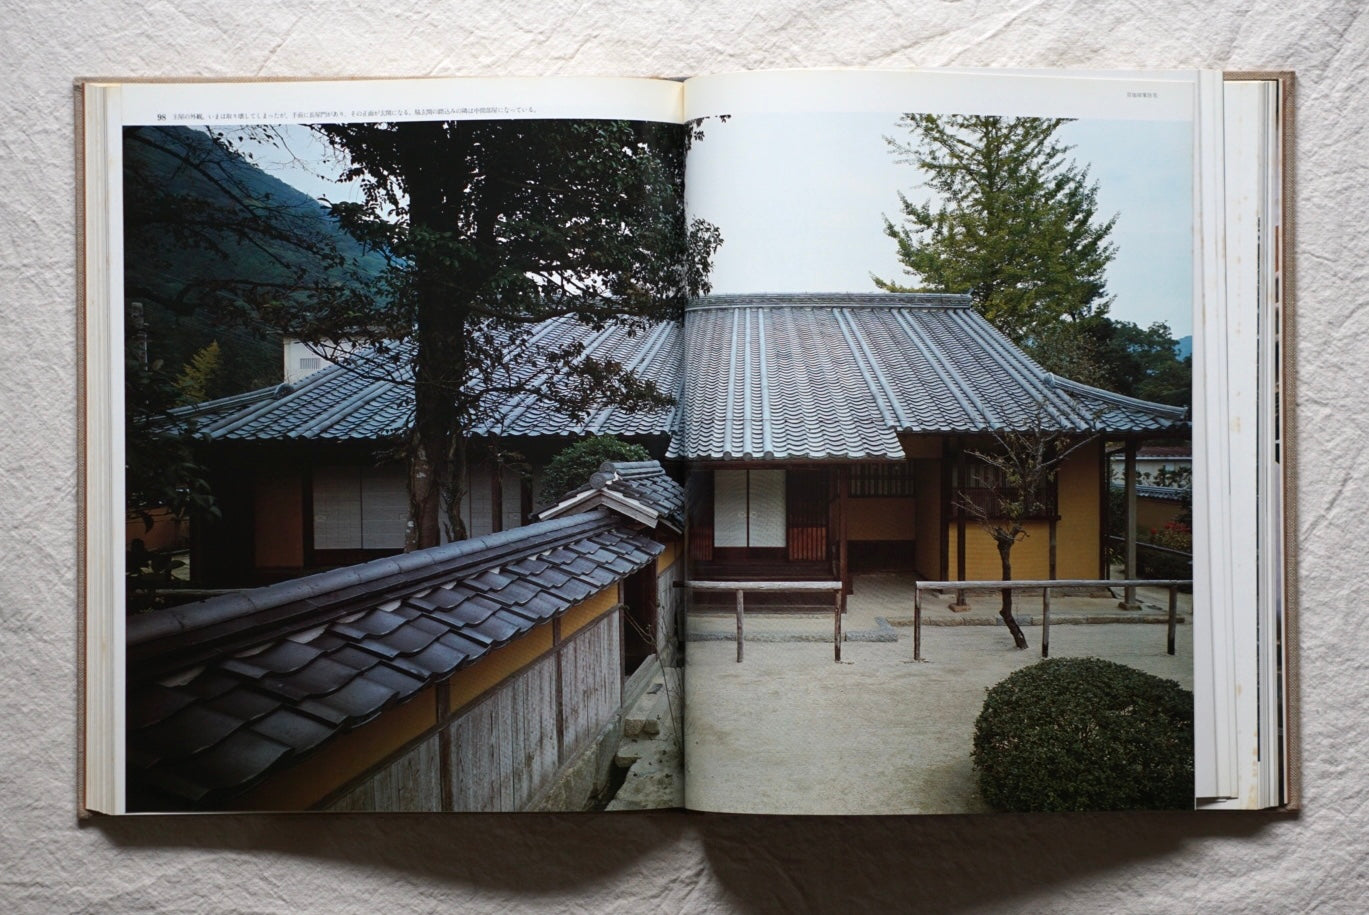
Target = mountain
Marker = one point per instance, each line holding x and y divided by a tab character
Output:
201	223
1184	347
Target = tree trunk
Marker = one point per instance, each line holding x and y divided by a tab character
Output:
437	453
1005	554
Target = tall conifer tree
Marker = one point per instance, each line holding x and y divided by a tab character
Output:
1012	221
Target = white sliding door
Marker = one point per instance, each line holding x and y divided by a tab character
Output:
748	508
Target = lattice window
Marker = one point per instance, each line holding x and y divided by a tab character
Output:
986	487
871	481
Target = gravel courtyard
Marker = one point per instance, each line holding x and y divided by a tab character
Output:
791	731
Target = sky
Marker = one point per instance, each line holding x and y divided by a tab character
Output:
800	200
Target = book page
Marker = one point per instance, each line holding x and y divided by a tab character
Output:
286	101
339	338
946	354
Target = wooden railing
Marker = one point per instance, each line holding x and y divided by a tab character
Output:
741	587
1046	587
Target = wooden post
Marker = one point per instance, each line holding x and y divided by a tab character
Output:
917	623
1104	508
1129	593
741	609
444	745
525	500
1045	622
961	604
1173	615
560	691
843	558
836	629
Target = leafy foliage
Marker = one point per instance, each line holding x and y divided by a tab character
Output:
200	373
1085	734
160	466
1174	535
1013	221
202	226
1118	356
573	465
489	228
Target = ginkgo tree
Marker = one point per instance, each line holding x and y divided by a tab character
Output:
1011	219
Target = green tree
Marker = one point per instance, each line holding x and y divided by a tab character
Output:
489	228
201	223
1012	221
573	465
1120	356
199	376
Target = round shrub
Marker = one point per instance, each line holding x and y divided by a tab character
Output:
1085	734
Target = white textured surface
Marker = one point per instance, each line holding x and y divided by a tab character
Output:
624	863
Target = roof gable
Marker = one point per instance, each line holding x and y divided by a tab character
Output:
640	490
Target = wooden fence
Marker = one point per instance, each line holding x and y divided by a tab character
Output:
1046	587
502	751
741	587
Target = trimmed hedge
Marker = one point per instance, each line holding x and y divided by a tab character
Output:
1085	734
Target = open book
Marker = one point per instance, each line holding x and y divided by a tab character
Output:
566	444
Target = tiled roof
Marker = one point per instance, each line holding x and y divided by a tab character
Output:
839	376
756	377
641	484
369	396
225	691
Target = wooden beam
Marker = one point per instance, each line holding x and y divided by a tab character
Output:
836	635
958	475
556	647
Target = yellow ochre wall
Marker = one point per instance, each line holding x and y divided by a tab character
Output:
668	556
1076	534
927	550
885	518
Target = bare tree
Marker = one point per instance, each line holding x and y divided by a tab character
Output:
1018	475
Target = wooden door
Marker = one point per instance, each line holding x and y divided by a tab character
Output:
807	516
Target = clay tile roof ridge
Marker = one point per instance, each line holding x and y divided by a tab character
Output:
831	299
181	635
1120	400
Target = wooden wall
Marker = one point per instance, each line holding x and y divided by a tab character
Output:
670	604
503	749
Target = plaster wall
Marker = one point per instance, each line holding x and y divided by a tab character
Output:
1313	861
